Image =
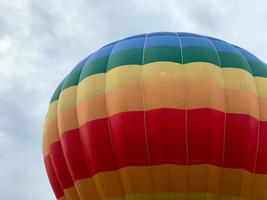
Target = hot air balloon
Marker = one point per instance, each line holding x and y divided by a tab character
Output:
160	116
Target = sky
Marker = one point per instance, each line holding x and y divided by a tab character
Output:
40	42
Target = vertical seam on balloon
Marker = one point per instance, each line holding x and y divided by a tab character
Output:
77	186
69	171
62	189
86	159
48	155
206	173
63	155
108	122
186	107
225	117
87	162
57	179
82	146
170	193
144	110
258	120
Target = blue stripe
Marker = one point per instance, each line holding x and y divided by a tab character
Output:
167	39
188	41
223	46
214	39
188	34
104	51
129	44
248	55
135	36
162	41
82	63
162	34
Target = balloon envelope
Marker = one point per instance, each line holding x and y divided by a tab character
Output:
160	116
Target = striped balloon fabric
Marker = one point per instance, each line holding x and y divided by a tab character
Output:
160	116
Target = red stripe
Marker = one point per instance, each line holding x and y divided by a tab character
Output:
205	130
74	155
166	136
129	140
261	164
59	165
105	148
241	141
97	145
52	178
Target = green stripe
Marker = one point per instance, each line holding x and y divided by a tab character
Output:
162	53
199	54
258	68
96	66
72	79
126	57
157	54
57	92
229	59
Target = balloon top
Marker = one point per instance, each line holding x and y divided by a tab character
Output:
177	47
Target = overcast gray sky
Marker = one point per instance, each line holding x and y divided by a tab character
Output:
40	41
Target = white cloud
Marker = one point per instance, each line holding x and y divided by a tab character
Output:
40	41
4	138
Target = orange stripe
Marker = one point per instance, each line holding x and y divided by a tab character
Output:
62	198
67	120
71	193
173	178
130	99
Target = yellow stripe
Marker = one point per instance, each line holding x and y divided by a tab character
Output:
52	111
45	143
177	179
123	76
67	98
91	86
234	78
50	129
130	75
261	86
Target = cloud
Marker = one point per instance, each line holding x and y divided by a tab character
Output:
40	41
4	138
